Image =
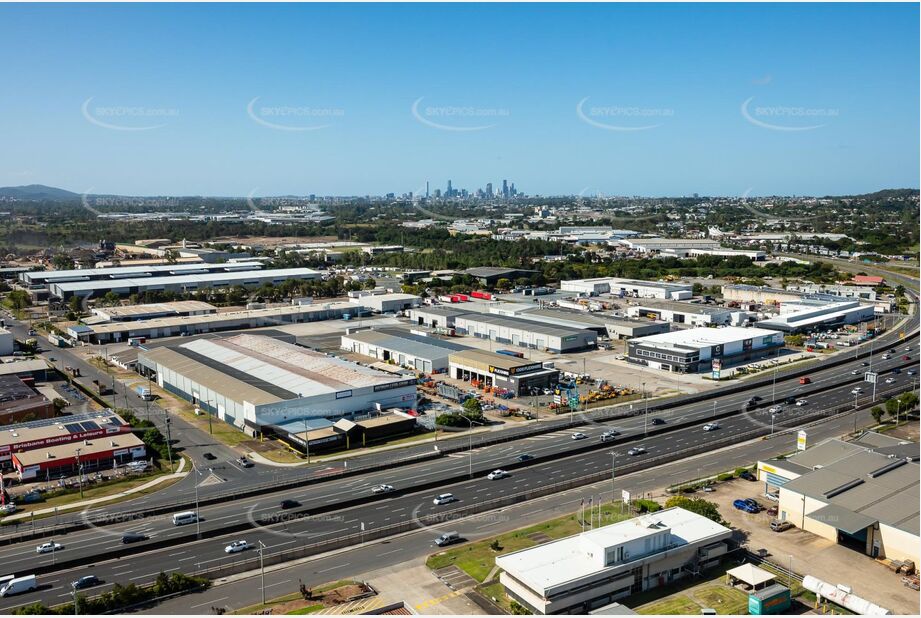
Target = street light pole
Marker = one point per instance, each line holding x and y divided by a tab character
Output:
73	586
197	518
613	497
79	473
646	409
469	446
262	569
169	440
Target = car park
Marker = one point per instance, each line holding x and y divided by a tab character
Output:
636	450
497	474
381	489
579	436
780	526
87	581
45	548
711	426
236	546
443	499
289	504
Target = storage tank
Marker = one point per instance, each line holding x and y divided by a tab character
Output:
856	604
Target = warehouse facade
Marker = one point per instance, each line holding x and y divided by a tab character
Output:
524	333
417	352
251	381
518	375
628	287
809	315
435	317
181	284
686	313
695	349
44	278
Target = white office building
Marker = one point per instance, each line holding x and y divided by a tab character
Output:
695	349
628	288
580	573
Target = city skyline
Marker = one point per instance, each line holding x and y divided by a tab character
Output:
125	101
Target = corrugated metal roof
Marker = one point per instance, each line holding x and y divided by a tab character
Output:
525	325
407	343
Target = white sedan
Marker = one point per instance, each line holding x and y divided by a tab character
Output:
497	474
381	489
236	546
711	426
579	436
801	402
46	548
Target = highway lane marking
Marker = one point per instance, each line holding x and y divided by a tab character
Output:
339	566
393	551
210	602
178	553
153	574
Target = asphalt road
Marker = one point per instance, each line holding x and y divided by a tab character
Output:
295	532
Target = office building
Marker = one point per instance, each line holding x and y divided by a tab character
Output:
580	573
696	349
518	375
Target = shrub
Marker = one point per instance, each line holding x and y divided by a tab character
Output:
646	506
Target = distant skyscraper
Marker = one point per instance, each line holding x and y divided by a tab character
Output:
488	189
505	189
450	190
437	193
426	188
513	190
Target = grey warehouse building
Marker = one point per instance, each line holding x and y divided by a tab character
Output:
525	333
47	277
418	352
180	283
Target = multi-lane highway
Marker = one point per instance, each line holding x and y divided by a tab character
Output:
292	530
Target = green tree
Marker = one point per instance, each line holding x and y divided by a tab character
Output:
503	284
17	300
696	505
473	408
62	262
75	304
877	413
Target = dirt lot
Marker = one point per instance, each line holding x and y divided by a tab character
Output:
810	554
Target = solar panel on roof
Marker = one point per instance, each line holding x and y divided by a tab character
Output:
89	426
73	427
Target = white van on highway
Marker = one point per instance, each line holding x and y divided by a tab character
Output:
17	585
188	517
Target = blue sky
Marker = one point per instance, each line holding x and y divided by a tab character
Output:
561	99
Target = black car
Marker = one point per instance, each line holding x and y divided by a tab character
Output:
134	537
755	398
87	581
525	457
790	400
748	476
657	421
209	456
289	504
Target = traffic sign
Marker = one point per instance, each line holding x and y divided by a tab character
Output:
870	377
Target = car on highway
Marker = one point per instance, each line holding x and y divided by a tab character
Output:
801	402
448	538
856	372
609	435
636	450
908	349
890	380
236	546
87	581
579	436
790	400
497	474
711	426
775	409
657	421
246	463
49	547
865	364
742	505
133	537
805	380
896	370
906	357
209	456
911	372
382	489
289	504
856	390
886	356
525	457
780	526
443	499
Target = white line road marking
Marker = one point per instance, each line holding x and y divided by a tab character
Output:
338	566
210	602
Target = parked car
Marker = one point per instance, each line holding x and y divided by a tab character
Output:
443	499
753	503
448	538
780	526
49	547
87	581
7	508
579	436
773	511
742	505
236	546
748	476
381	489
636	450
246	463
711	426
289	504
497	474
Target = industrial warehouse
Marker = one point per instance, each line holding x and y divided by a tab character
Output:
181	284
512	373
524	333
417	352
211	322
577	574
696	349
386	303
435	317
39	278
863	495
252	381
809	315
628	287
123	313
686	313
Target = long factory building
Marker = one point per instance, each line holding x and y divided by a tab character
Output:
47	277
695	349
253	381
181	283
209	323
390	345
809	315
629	287
524	333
